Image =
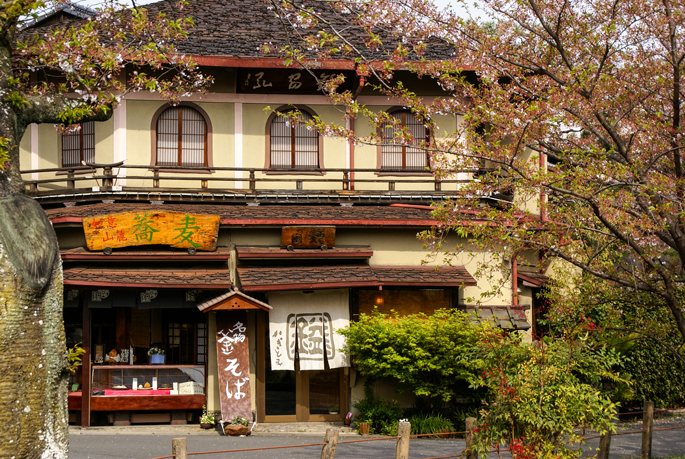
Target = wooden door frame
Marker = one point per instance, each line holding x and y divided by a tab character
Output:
301	385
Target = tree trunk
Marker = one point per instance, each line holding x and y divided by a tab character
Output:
33	385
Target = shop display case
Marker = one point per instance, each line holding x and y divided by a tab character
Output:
157	387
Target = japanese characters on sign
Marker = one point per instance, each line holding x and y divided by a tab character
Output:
233	359
311	332
287	81
177	229
308	236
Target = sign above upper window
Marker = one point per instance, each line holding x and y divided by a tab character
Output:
176	229
295	81
308	237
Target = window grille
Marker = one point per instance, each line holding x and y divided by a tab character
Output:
181	138
79	146
402	156
294	146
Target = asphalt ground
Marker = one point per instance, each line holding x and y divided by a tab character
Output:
111	443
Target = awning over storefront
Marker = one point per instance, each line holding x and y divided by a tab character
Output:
196	278
268	278
506	317
81	254
361	251
532	279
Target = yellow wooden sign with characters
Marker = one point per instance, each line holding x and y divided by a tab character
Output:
176	229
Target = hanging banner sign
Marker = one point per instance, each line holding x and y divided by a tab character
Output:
303	328
177	229
233	359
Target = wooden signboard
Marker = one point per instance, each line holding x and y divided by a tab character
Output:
177	229
233	359
307	237
293	81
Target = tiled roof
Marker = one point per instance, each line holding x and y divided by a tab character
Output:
506	317
263	278
263	215
201	278
80	253
532	278
236	28
361	251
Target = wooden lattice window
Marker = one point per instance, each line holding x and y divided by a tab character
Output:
403	156
79	146
293	145
181	137
187	343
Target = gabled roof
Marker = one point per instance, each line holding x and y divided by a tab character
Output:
61	13
232	300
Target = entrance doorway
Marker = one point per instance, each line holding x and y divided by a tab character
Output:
298	395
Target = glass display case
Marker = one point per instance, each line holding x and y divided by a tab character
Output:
140	380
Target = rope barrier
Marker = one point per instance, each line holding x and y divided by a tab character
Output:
414	435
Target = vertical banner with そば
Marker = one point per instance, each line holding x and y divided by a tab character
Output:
233	354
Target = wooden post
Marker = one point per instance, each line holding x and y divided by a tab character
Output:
346	180
179	448
85	367
331	440
107	172
391	186
470	425
604	444
253	185
438	185
71	184
155	180
403	431
647	420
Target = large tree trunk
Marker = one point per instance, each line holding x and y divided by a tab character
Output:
33	393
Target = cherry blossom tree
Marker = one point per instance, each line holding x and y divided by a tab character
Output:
573	107
66	74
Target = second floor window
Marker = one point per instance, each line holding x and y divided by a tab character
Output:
402	156
79	147
181	137
293	146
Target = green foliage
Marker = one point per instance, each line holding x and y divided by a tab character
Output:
74	357
239	421
540	392
656	374
432	423
207	417
382	415
430	356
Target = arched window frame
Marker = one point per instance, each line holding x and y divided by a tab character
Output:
85	138
402	171
267	164
208	138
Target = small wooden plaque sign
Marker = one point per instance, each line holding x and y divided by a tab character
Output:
177	229
308	237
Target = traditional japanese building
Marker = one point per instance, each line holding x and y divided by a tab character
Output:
236	242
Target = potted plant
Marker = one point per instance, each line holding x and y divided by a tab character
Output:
156	356
207	419
238	426
335	409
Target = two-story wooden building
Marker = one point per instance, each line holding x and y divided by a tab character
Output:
237	242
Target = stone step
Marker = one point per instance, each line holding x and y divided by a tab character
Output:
312	428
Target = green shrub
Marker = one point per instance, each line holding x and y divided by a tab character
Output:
431	423
540	392
430	356
655	374
383	416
